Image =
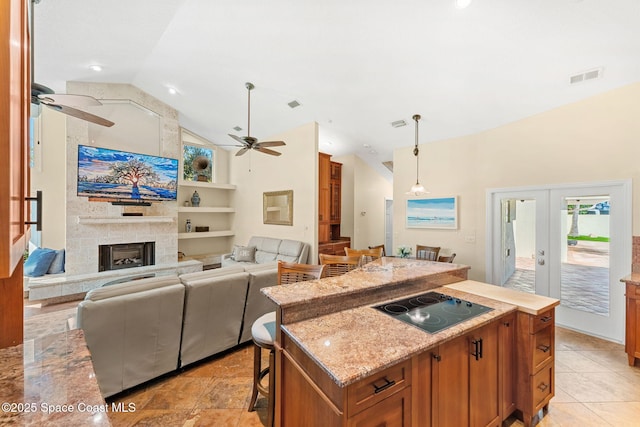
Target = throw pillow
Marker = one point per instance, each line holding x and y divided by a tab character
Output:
57	265
39	262
245	253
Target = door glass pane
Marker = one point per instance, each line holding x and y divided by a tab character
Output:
519	244
585	254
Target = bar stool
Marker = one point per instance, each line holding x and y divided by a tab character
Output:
263	333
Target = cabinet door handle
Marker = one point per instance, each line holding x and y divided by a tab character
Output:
506	324
477	351
543	387
387	383
544	348
545	319
437	357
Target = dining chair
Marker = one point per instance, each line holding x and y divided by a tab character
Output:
378	246
429	253
263	334
445	258
367	255
337	265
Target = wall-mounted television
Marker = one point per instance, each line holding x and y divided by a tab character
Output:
121	176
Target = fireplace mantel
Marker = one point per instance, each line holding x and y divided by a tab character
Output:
105	220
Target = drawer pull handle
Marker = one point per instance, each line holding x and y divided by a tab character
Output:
388	383
544	348
506	324
437	357
545	319
543	387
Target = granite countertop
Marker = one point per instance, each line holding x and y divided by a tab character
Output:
50	381
633	278
382	273
352	344
527	303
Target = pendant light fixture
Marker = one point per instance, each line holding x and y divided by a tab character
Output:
417	189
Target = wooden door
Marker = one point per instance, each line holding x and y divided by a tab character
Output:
450	376
484	385
394	411
14	116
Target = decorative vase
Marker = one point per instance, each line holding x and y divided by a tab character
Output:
195	200
187	226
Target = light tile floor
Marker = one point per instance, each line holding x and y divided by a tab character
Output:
594	384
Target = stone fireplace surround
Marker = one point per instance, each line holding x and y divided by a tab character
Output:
90	224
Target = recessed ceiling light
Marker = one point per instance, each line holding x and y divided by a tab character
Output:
461	4
398	123
294	104
172	90
95	67
366	145
237	128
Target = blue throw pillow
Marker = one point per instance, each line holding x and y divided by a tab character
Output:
57	265
39	262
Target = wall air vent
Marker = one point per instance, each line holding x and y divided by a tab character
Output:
398	123
237	128
586	75
294	104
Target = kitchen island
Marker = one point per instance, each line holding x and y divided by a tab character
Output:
340	362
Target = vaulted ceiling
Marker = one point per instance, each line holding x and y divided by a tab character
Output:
354	66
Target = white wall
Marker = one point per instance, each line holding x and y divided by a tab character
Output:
296	169
363	202
592	140
48	175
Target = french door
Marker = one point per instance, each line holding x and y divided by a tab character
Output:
572	243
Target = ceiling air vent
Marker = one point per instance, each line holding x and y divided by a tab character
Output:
237	128
388	165
398	123
294	104
586	75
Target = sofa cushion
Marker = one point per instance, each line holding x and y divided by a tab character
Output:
245	254
39	262
265	244
211	273
251	268
263	257
131	287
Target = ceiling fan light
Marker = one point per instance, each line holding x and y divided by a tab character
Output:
461	4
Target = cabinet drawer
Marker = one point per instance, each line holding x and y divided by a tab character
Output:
633	291
377	387
542	347
541	320
542	386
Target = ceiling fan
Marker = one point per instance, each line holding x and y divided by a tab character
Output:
42	95
250	143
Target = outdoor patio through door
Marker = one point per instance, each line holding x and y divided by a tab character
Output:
569	243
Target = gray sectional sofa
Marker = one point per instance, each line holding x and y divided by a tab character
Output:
139	330
261	250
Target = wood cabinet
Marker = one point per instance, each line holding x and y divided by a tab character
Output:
535	348
334	247
14	180
310	398
507	363
324	197
329	198
466	380
632	330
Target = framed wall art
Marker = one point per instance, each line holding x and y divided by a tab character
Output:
441	213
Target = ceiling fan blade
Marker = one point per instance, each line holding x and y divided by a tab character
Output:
242	151
266	151
70	100
271	143
81	114
239	139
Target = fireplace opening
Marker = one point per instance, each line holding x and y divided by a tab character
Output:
126	255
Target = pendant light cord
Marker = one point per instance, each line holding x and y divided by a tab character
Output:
416	150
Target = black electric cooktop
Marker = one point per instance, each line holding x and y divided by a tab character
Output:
433	311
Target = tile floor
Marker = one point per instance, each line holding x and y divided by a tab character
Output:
595	386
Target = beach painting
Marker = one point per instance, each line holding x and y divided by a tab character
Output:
433	213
